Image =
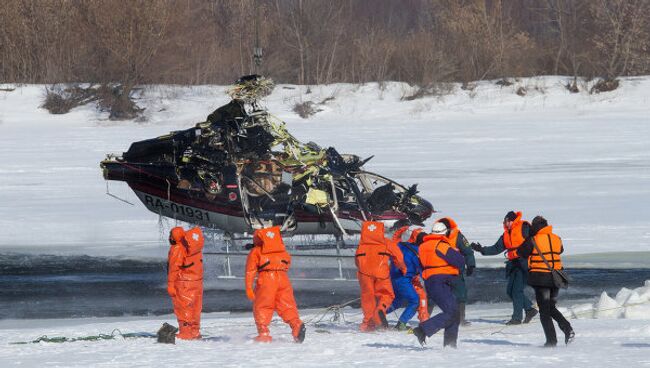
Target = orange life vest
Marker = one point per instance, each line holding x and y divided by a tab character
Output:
513	238
372	256
432	264
453	232
273	254
192	267
551	246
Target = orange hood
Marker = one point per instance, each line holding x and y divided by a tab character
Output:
269	239
372	232
177	233
450	221
194	240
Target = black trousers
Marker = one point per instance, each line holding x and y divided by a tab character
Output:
546	301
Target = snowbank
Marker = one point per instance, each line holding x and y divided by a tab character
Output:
581	160
627	304
228	343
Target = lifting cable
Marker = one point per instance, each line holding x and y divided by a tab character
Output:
115	333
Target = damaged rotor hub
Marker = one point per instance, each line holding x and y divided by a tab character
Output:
251	88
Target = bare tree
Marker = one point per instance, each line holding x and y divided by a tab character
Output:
312	41
623	40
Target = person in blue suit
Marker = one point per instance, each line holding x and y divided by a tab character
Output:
405	293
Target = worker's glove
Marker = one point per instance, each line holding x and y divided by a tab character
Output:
171	290
470	270
477	247
250	295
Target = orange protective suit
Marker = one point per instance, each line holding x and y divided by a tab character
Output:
423	307
270	261
372	260
185	279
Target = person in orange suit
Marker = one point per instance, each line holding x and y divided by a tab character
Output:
373	272
417	236
423	308
269	261
185	279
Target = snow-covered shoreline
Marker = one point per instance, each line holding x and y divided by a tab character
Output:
601	339
581	160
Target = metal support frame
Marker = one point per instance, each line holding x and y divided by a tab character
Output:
227	237
339	242
338	256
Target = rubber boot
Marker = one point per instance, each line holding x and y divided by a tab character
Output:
419	333
298	332
382	319
263	334
463	321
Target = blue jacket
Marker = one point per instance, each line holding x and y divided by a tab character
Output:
411	260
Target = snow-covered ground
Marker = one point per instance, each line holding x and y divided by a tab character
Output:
618	332
581	160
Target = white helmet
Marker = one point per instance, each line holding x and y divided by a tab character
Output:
439	228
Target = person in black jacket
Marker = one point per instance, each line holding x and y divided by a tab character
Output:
515	232
543	249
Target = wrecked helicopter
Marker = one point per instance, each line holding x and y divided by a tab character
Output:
241	170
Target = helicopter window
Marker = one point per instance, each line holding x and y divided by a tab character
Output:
376	181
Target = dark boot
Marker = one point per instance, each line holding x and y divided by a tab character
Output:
382	319
401	326
300	336
463	321
513	322
419	333
569	335
167	334
530	314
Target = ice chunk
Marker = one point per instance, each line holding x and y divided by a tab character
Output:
607	307
644	292
622	296
633	299
638	311
585	311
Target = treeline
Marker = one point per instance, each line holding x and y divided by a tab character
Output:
314	42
